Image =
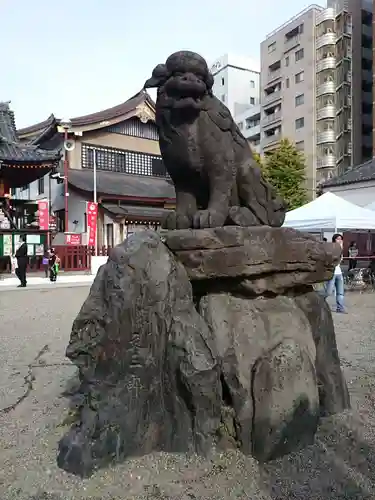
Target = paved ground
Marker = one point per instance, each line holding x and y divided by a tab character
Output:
12	282
34	378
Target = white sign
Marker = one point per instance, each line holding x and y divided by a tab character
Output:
216	66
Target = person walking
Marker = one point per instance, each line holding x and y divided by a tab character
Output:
54	263
353	254
337	282
21	256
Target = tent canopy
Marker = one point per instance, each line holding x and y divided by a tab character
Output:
332	213
370	206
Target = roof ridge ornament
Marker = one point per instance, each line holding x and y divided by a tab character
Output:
144	113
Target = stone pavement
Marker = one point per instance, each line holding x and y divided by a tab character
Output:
35	379
42	281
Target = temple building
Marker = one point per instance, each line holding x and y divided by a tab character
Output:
132	185
20	165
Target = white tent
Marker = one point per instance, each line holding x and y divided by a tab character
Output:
331	213
370	206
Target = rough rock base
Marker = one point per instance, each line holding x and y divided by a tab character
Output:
162	369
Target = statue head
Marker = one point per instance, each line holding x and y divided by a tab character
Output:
184	78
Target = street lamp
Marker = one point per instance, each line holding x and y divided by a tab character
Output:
66	124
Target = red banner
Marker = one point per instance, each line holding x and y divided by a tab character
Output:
92	216
73	239
43	215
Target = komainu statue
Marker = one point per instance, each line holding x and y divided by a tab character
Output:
216	178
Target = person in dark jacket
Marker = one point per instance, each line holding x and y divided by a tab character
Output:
52	265
21	256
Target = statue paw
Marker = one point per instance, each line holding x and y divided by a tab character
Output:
209	218
175	220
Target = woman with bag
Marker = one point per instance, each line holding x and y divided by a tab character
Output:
337	282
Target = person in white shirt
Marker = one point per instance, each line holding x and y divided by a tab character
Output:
337	281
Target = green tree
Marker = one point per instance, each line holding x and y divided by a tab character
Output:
261	163
285	169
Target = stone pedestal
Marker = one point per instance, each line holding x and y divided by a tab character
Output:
204	338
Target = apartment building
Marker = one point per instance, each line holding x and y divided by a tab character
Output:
316	87
288	84
249	123
236	82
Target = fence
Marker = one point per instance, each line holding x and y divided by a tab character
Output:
73	258
78	257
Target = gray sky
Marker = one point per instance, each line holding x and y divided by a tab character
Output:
78	56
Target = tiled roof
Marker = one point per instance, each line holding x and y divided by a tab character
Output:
361	173
11	151
42	128
146	212
38	128
116	111
115	184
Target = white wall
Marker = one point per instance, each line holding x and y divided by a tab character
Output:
232	82
360	193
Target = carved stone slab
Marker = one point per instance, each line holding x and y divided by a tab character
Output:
265	259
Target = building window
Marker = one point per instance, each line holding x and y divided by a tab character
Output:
122	161
271	47
287	83
300	145
252	84
135	128
287	61
300	28
300	99
223	98
299	77
252	100
222	81
41	185
300	123
13	191
299	55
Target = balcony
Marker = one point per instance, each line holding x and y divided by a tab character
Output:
269	140
291	43
273	96
326	88
271	118
250	132
328	111
326	136
326	161
325	15
274	75
327	63
326	39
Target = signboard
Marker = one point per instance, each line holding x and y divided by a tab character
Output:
52	222
73	239
33	239
39	249
7	244
215	67
43	215
92	216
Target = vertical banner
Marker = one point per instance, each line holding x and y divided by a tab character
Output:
92	216
43	215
